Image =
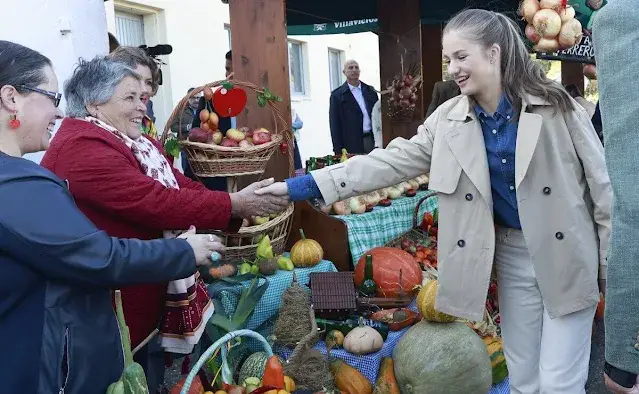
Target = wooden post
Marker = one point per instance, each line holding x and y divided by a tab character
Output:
431	61
260	56
399	34
572	73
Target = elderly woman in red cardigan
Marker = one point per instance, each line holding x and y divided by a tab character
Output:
122	181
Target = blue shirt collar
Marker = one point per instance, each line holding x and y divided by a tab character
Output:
504	109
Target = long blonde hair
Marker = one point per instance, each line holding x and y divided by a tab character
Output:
520	74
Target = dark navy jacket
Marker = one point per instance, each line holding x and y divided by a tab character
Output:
346	118
56	270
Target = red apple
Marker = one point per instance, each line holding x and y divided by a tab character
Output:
229	143
261	137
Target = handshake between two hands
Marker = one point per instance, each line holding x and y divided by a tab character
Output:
258	199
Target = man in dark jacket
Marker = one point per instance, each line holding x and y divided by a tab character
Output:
224	124
350	113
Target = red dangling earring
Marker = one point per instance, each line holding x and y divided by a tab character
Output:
14	122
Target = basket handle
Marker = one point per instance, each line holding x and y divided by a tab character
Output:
227	375
428	195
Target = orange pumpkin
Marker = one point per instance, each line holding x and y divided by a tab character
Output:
306	252
387	263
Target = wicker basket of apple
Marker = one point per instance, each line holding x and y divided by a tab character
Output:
239	151
382	197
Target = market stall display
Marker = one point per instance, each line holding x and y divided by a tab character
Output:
242	151
268	306
383	224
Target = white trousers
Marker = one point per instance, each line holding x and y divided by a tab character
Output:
543	355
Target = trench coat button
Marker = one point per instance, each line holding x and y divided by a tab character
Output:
461	243
546	190
343	184
469	197
559	235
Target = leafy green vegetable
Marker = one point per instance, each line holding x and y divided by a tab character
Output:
172	147
264	97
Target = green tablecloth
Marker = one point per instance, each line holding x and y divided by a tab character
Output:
383	224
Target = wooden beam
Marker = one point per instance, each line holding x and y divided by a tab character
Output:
572	73
431	61
260	56
399	35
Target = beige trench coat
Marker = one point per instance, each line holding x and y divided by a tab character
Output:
563	195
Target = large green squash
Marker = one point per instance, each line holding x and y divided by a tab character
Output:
254	366
434	358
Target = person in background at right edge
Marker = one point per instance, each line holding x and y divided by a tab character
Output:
615	37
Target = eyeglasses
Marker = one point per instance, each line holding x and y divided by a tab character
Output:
56	97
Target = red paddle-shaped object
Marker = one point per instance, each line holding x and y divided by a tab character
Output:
228	100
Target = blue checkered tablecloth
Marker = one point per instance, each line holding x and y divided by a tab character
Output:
369	364
267	308
383	224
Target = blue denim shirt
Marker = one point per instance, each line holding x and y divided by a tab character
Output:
500	138
303	188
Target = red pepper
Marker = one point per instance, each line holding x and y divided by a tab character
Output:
263	389
427	221
273	373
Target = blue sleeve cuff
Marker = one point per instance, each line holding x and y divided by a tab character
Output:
302	188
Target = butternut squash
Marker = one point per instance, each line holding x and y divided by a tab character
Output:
349	379
386	383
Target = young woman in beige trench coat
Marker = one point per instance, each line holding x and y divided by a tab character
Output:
543	221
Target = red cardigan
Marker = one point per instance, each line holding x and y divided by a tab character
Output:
109	187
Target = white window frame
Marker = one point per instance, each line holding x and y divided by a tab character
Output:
227	27
336	74
134	17
303	67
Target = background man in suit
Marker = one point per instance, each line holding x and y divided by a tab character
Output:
615	37
350	113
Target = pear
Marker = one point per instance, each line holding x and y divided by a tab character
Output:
284	263
257	220
264	249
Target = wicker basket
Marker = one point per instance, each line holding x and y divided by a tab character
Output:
208	160
227	375
243	244
414	233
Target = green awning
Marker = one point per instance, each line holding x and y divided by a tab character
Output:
346	27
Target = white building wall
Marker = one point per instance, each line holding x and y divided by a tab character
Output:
315	137
199	45
63	30
66	30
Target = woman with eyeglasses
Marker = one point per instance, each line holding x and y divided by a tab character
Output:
58	331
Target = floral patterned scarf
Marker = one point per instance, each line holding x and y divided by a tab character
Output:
187	306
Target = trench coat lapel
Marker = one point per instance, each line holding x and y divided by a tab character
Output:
528	132
466	142
527	137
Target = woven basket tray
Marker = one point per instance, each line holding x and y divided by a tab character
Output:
243	244
208	160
